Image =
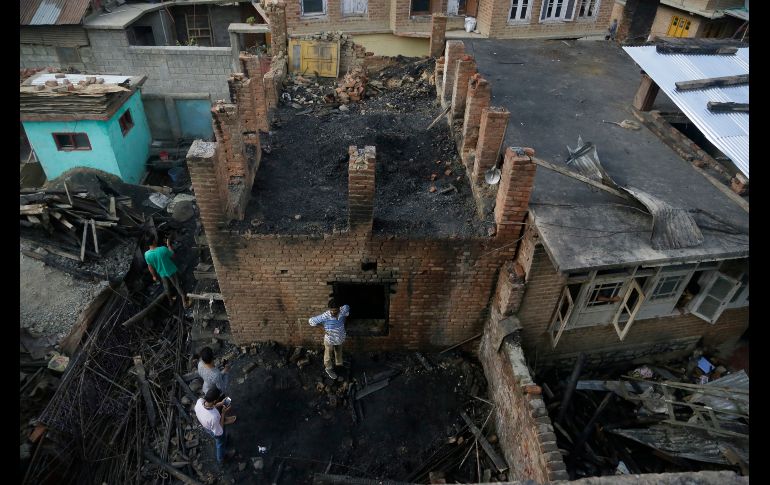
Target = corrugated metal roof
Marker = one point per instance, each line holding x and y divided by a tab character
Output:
729	132
52	12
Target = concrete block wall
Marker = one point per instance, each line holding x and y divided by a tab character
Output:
36	55
601	343
169	69
524	430
493	22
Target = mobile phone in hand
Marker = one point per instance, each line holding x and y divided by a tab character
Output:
227	401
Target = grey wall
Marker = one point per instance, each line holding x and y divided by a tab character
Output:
162	27
169	69
221	18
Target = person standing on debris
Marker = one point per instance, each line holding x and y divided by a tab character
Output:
162	266
333	321
613	30
207	410
211	375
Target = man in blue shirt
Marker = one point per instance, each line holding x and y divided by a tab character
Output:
333	321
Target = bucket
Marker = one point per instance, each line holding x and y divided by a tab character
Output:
176	174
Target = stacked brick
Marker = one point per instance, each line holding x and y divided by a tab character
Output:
437	34
361	169
252	102
455	49
476	101
494	121
516	182
273	83
276	13
466	67
524	430
352	86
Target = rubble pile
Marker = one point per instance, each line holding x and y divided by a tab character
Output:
677	416
352	86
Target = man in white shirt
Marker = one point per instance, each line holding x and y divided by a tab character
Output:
207	410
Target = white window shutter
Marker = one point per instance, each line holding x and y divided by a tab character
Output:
561	316
718	289
622	328
569	13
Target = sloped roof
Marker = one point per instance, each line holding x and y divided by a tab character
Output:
52	12
729	132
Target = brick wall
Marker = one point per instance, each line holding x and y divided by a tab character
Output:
454	51
276	13
437	34
646	337
169	69
377	18
493	22
638	16
361	187
466	67
523	427
273	83
492	127
477	100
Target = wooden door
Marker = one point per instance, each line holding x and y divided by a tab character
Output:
471	8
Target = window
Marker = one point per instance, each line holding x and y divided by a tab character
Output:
741	297
354	7
126	122
71	141
717	289
368	307
587	8
421	7
563	312
519	10
140	35
313	7
680	27
557	10
198	29
667	287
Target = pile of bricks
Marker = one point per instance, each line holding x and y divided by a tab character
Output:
352	86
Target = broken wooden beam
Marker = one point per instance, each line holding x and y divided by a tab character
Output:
581	439
695	49
712	82
139	316
139	372
443	113
205	296
571	386
372	388
727	107
461	343
498	462
170	469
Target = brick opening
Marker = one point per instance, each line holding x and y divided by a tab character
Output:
369	304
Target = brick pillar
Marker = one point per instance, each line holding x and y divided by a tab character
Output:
491	135
241	94
466	67
437	34
276	12
477	100
273	81
645	95
438	76
208	182
455	49
361	187
229	135
251	66
517	179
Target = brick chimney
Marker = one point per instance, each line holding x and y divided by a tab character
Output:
361	187
516	181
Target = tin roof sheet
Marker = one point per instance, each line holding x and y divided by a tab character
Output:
729	132
52	12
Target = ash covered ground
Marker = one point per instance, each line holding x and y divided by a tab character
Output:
301	184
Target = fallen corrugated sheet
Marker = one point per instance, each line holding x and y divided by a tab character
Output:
52	12
672	227
729	132
687	443
735	397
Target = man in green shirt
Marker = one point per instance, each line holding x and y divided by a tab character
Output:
161	266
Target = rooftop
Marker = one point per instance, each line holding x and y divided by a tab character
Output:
52	12
420	188
566	89
59	97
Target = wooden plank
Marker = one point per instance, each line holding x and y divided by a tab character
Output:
93	232
727	107
112	207
83	244
461	343
571	383
372	388
31	209
712	82
67	191
205	296
498	462
171	470
696	50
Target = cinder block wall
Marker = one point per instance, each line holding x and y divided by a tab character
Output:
646	337
493	21
169	69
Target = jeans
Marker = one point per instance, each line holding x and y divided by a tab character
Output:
170	281
219	441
